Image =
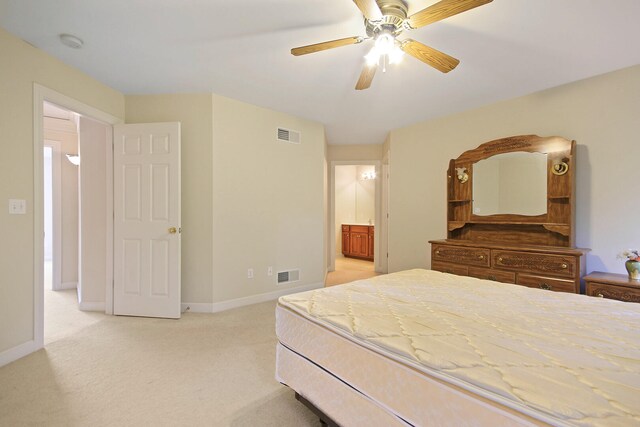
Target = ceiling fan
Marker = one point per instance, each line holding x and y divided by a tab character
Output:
384	21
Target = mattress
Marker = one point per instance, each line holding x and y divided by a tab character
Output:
437	349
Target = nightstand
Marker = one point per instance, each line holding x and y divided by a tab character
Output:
612	286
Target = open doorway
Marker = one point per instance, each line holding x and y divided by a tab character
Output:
41	95
64	132
355	210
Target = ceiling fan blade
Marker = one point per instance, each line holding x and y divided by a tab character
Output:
430	56
366	76
369	9
312	48
443	9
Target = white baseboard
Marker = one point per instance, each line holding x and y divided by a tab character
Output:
241	302
17	352
91	306
197	307
66	285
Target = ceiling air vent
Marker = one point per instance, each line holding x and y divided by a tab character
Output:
288	135
288	276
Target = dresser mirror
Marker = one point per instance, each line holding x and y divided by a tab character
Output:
510	214
515	189
510	183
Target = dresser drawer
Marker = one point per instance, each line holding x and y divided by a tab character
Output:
445	267
556	265
491	274
461	255
359	229
620	293
546	283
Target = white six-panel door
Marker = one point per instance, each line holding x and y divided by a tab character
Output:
146	164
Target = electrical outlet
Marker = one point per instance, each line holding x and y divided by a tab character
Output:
269	271
250	273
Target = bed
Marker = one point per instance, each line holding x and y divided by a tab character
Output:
425	348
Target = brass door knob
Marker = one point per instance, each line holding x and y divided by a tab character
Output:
480	257
600	296
564	265
437	252
173	230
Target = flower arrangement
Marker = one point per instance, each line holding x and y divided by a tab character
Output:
630	255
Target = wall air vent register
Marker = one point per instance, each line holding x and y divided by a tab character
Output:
290	136
288	276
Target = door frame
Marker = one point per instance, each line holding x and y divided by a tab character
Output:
40	95
378	249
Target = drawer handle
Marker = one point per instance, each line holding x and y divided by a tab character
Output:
437	252
500	259
492	278
600	296
564	265
480	257
545	286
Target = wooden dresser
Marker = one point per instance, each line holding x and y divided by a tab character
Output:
613	286
494	230
357	241
551	268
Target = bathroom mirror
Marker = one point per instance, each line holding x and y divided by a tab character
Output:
510	183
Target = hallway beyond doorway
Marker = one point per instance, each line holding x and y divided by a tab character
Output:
350	269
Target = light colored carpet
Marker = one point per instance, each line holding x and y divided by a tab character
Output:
350	269
205	369
62	316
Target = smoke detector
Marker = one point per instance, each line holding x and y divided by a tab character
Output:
71	41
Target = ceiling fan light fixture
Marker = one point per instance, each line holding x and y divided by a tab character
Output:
396	55
386	47
373	57
384	21
385	43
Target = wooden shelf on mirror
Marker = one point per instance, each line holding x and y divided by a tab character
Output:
512	223
560	228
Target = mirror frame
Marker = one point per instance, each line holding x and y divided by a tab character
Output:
560	186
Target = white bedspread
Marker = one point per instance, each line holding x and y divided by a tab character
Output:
572	358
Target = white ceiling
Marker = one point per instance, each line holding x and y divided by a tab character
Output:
241	49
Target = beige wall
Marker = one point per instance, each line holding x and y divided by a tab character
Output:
20	67
365	195
344	200
95	144
248	201
600	113
267	200
194	111
354	152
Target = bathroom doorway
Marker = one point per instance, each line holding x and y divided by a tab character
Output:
355	207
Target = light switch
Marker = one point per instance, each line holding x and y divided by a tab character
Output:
17	206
